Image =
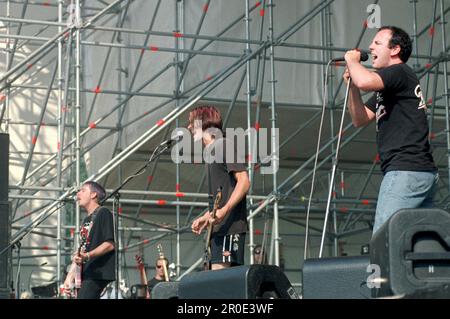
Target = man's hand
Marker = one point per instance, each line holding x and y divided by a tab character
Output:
81	258
69	283
352	56
200	223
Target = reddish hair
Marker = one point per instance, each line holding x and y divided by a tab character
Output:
209	115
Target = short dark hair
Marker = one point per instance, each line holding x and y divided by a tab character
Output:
97	189
209	115
164	258
400	38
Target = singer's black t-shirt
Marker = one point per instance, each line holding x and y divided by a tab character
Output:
220	168
100	229
401	121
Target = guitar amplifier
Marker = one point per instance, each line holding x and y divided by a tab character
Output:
241	282
412	250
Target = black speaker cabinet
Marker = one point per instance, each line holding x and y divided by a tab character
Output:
336	278
241	282
412	250
4	211
165	290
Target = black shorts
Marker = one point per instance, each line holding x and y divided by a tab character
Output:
228	249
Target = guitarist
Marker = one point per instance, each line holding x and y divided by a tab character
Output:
97	258
228	172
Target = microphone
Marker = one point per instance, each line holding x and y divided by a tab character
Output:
174	140
364	57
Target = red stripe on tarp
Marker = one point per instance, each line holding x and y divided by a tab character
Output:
431	31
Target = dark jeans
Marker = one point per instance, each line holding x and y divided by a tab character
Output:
92	288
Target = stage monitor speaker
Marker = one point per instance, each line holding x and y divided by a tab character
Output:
241	282
336	278
165	290
412	250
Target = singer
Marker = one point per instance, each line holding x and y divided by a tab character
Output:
230	224
399	108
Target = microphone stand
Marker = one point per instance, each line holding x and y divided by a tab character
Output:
116	194
333	172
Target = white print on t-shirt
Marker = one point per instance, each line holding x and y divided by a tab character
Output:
381	109
84	233
418	93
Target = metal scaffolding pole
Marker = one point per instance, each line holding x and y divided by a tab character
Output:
250	150
179	87
274	141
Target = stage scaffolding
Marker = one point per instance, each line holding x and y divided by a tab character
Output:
64	169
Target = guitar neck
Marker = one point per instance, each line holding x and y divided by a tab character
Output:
210	228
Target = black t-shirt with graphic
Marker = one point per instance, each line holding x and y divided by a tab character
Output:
220	168
401	121
101	229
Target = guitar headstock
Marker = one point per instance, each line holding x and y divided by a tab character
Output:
160	251
140	263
